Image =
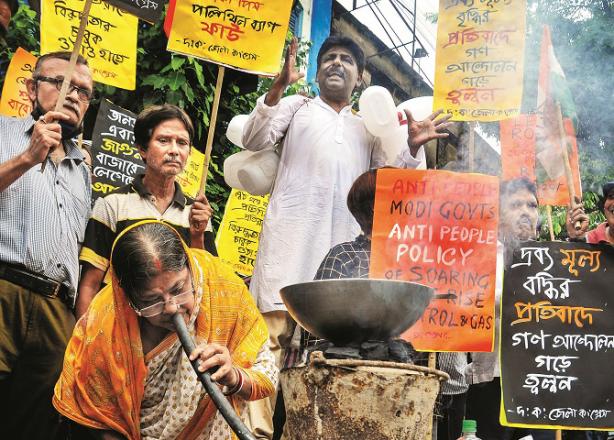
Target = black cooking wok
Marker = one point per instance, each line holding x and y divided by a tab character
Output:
352	311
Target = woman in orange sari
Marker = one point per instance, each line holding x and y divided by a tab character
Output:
125	376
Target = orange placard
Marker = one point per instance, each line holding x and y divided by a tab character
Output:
521	149
518	147
439	228
15	100
555	192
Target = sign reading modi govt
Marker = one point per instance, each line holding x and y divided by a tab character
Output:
244	34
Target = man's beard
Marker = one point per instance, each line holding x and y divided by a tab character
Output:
69	130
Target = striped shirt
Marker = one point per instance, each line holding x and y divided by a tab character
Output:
128	205
43	215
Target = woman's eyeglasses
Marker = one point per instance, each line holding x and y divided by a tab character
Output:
157	308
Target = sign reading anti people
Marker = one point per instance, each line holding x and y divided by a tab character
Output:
439	228
480	58
248	35
15	100
557	337
115	159
109	41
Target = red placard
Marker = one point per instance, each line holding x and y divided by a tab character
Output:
439	228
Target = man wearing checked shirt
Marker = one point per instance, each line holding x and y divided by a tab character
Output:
42	221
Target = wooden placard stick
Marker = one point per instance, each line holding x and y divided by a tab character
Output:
211	132
568	174
549	217
85	16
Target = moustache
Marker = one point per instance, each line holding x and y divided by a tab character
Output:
335	71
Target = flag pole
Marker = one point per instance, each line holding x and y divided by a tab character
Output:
568	174
212	122
85	16
431	432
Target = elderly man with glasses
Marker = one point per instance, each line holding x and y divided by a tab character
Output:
42	223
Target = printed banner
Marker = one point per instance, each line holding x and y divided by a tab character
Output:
115	159
237	237
557	337
148	10
191	176
109	42
14	100
244	34
439	228
480	58
519	158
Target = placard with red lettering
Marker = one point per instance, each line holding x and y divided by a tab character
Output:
15	100
248	35
480	59
439	228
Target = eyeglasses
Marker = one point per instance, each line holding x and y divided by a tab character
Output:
85	95
158	308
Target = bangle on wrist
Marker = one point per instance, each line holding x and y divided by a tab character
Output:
237	388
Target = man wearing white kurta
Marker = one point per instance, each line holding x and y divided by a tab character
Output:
326	147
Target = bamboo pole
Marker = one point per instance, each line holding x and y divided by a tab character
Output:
211	132
85	16
549	216
558	435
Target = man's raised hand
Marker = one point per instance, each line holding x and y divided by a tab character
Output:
421	132
289	75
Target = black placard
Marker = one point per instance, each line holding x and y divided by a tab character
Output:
148	10
557	336
115	159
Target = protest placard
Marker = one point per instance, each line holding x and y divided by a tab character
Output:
109	41
239	232
115	159
557	337
247	35
480	59
148	10
519	149
190	177
439	228
15	100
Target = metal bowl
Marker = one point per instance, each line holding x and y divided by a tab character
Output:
352	311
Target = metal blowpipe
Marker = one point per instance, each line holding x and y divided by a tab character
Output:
214	392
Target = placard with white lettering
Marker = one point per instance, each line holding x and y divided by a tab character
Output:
557	337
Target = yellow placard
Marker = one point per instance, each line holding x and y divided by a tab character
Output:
243	34
480	59
15	100
109	42
239	232
190	177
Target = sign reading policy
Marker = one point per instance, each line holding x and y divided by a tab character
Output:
243	34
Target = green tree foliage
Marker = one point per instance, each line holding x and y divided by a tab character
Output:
164	77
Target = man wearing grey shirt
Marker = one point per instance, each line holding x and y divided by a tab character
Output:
43	215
